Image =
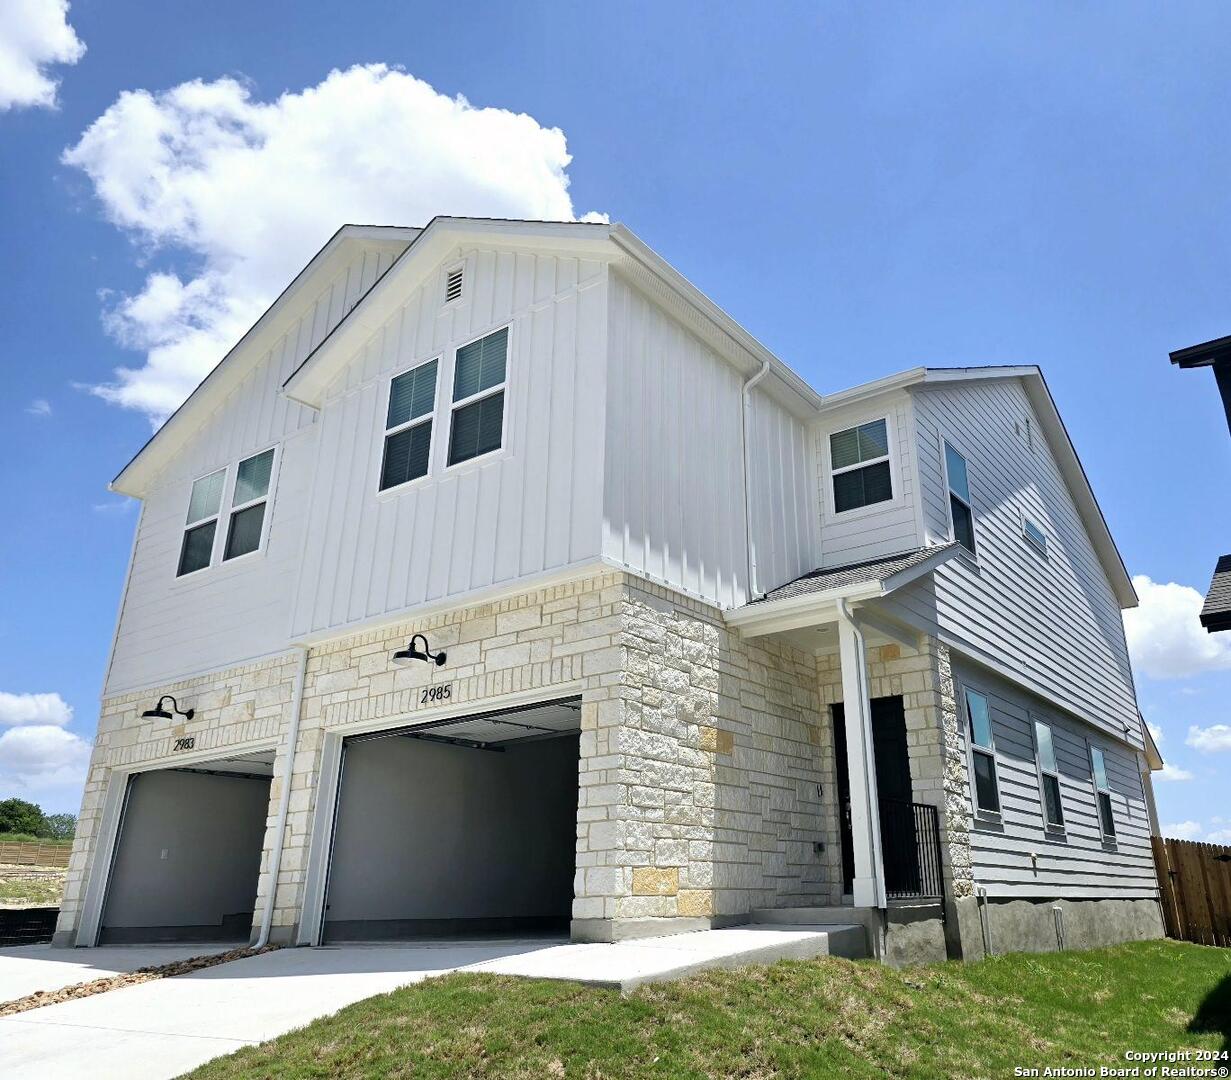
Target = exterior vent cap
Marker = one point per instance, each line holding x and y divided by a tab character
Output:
453	285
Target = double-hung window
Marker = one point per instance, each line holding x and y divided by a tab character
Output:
960	512
1102	793
982	754
204	505
408	426
1049	776
859	464
476	422
248	504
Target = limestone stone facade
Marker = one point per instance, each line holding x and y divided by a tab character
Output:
706	780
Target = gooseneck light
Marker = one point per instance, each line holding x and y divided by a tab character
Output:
413	652
158	712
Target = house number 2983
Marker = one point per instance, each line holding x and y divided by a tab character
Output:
184	744
436	693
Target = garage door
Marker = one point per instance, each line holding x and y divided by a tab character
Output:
189	853
457	828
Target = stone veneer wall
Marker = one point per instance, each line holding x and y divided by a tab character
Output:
706	775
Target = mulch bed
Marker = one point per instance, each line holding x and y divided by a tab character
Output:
130	978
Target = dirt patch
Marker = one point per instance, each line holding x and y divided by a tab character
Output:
29	886
130	978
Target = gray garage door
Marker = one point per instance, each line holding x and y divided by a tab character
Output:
458	828
189	854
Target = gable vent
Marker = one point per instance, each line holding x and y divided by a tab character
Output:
453	285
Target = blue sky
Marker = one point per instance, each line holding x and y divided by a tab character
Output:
866	187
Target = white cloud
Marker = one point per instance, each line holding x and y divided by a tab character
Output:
1218	836
245	191
44	763
16	709
33	35
1211	739
1156	732
1183	830
1165	638
1171	772
39	407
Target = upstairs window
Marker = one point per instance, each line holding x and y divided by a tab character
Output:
476	422
1049	776
197	549
1102	792
408	426
960	512
248	502
859	464
1034	533
982	754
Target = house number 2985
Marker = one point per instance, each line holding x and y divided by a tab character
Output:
436	693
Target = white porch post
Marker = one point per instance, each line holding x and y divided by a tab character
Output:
868	888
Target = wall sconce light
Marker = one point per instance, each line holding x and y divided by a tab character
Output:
412	652
160	713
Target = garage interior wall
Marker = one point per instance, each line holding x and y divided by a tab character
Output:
432	838
188	858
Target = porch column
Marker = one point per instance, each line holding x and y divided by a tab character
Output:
868	888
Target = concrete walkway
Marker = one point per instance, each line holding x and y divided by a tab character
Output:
164	1028
27	968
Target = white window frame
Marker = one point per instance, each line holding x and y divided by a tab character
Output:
388	431
190	526
1109	838
480	396
987	751
895	486
949	492
449	271
1050	827
1039	548
230	511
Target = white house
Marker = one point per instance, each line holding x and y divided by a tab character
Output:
683	643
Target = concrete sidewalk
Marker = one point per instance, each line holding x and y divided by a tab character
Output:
167	1027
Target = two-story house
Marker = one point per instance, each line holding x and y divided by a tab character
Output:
498	581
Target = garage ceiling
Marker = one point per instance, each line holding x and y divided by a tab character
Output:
493	729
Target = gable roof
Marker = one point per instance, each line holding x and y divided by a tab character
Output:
1057	436
1216	611
235	366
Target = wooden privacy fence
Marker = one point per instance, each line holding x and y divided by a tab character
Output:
25	853
1195	885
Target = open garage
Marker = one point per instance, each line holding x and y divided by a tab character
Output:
457	828
189	853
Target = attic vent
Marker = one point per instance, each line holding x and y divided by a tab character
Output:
453	285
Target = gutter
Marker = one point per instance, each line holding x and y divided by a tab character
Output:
284	799
745	401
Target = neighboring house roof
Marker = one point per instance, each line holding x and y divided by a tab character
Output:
879	570
1215	354
1216	612
1057	436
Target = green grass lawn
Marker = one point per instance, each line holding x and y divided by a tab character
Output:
27	838
817	1018
42	892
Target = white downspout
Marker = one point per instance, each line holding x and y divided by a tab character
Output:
746	397
284	799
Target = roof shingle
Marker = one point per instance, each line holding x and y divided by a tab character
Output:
835	577
1216	612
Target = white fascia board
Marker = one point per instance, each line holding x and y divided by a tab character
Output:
134	479
442	236
794	612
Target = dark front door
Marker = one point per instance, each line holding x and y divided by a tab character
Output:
893	789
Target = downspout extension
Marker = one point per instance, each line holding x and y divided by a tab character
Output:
284	799
745	399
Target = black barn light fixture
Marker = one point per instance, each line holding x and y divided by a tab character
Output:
160	713
412	652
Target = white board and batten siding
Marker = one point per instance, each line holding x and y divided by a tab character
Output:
1052	620
1074	864
885	528
170	627
673	474
532	507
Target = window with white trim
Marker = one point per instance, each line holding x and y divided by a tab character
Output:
859	466
1034	534
961	513
476	418
248	504
982	754
204	506
1049	776
408	426
1102	794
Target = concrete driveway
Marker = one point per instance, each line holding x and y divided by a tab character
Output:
167	1027
27	968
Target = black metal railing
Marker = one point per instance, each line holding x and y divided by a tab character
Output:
910	850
